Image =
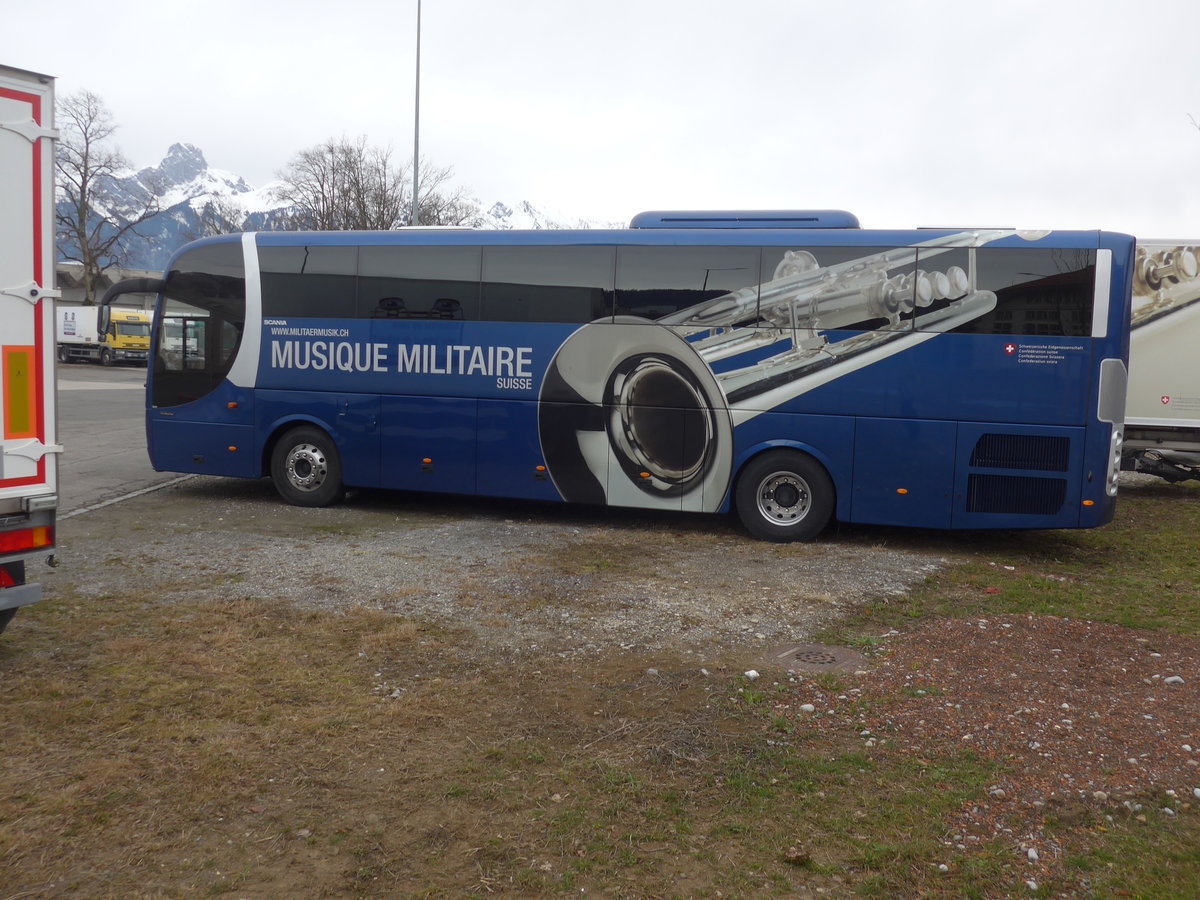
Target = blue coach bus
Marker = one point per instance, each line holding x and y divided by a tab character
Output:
792	367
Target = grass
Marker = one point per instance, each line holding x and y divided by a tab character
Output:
235	747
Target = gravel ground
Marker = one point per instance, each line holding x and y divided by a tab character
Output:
521	578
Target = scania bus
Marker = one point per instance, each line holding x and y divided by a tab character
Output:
790	366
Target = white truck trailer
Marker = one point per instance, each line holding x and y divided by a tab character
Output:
1162	408
28	423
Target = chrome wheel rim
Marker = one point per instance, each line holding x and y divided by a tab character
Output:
306	467
783	498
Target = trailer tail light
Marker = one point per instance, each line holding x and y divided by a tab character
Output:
24	539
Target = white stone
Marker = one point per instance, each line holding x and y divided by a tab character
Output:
1174	679
752	675
808	707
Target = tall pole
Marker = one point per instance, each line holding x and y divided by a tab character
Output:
417	126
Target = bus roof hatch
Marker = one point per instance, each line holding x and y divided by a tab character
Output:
803	218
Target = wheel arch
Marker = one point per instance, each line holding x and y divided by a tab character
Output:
281	427
841	503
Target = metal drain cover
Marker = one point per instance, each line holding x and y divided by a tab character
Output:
816	657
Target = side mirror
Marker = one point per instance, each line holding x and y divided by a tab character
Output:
128	286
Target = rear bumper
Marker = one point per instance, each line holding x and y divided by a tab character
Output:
20	595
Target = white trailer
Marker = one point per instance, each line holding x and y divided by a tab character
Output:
28	423
1162	407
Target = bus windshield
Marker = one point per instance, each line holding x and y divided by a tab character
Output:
201	316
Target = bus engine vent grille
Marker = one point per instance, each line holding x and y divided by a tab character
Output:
1022	451
1015	494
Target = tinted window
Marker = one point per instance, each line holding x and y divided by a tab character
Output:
657	281
1037	291
547	284
418	282
202	313
308	282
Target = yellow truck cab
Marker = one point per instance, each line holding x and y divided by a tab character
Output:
127	339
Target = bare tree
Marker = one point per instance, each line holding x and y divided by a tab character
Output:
345	185
221	215
439	207
85	163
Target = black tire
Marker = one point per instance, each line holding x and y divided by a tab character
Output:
106	357
6	616
64	355
784	495
306	468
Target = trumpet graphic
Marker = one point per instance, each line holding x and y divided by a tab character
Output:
1165	279
633	412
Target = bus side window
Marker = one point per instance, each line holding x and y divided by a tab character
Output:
547	284
405	282
308	282
1038	291
656	281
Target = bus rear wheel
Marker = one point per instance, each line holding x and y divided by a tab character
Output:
784	495
306	468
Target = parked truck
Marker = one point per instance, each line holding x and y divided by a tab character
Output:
126	341
28	424
1162	409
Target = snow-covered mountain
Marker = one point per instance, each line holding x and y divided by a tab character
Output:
194	200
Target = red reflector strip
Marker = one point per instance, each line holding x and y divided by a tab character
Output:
26	539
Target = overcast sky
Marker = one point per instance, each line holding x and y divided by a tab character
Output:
1025	113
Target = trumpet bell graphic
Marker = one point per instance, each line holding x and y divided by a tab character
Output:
630	415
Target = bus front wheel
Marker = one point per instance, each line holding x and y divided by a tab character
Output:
784	495
306	468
